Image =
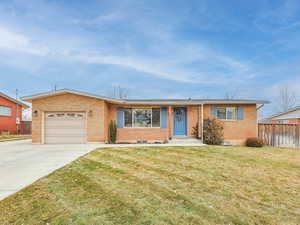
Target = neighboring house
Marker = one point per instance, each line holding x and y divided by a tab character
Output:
69	116
290	116
10	114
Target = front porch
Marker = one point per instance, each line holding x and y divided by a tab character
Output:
184	123
144	124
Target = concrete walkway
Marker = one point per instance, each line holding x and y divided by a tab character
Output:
22	163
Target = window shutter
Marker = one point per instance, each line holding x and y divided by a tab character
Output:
214	111
240	113
120	118
164	117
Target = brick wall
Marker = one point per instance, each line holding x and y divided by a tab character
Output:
8	123
135	134
237	131
71	102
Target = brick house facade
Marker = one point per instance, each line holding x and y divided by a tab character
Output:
88	116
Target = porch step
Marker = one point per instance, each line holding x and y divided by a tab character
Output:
185	140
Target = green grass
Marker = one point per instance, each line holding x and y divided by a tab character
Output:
13	137
165	185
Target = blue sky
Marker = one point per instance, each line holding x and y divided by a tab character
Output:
154	48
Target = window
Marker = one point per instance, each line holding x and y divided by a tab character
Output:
283	121
231	113
5	110
71	115
142	117
221	113
227	113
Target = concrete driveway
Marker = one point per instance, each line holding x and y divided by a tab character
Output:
22	163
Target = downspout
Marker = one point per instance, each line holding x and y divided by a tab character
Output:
260	107
17	112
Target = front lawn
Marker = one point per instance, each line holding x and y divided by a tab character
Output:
13	137
165	185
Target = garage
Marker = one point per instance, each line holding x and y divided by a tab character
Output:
65	128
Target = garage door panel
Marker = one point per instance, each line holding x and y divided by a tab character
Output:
65	127
66	123
65	140
65	132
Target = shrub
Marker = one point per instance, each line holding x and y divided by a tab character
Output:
213	132
112	132
195	131
255	142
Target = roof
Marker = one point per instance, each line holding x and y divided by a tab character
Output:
14	100
147	101
29	98
290	114
194	101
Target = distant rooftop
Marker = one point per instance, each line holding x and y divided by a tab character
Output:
14	100
290	114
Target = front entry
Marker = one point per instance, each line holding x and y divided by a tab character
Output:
180	121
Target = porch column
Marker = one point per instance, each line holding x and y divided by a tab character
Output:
170	125
200	121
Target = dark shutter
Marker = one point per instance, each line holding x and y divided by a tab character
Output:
214	111
240	113
120	118
164	117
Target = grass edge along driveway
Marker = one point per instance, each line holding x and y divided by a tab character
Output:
165	185
13	137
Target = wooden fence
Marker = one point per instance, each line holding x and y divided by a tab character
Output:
25	127
280	135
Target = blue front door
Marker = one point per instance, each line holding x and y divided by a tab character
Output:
180	121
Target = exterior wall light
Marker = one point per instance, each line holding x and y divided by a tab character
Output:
35	113
90	113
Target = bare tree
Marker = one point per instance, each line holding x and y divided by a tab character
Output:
119	92
231	94
286	98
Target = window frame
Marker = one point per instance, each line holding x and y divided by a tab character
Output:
10	110
226	113
284	121
132	117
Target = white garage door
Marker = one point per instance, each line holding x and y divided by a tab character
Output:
65	127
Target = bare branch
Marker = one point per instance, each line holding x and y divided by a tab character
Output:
231	94
286	98
119	92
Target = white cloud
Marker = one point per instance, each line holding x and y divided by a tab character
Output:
280	18
106	18
13	41
153	48
163	64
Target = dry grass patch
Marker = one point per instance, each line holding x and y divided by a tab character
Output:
165	185
13	137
